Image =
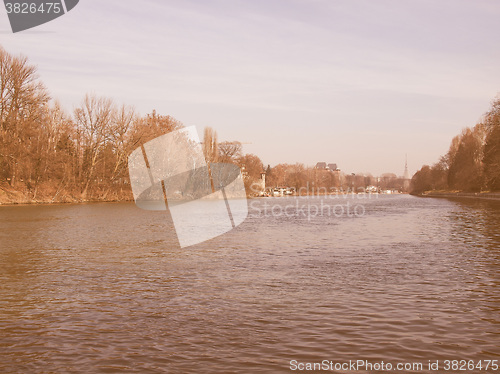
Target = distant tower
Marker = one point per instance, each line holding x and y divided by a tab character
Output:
406	175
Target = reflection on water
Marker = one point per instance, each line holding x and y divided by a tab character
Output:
106	288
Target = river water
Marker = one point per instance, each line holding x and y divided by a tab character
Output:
105	288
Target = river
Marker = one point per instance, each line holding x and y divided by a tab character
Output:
105	288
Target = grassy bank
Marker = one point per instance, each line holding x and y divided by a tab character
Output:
17	196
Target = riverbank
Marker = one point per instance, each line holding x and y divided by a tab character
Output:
467	195
11	196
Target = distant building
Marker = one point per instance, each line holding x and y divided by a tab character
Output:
263	181
406	177
325	166
406	174
333	167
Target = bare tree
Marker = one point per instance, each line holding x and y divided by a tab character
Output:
151	126
210	145
492	146
230	152
94	119
466	168
123	121
22	101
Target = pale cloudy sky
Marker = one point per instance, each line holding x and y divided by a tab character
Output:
359	83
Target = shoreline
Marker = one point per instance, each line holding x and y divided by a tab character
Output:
13	197
494	196
48	203
76	201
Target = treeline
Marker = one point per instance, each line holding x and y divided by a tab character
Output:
472	163
49	155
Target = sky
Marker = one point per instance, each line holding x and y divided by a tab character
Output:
357	83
